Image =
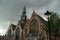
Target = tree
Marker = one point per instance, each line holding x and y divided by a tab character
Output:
54	22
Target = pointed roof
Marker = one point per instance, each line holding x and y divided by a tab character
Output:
34	13
24	10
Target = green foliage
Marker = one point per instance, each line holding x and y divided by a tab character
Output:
54	23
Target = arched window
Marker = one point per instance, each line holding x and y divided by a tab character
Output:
17	34
34	27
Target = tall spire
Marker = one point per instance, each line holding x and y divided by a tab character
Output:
24	17
24	11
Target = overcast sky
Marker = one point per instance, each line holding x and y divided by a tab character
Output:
11	10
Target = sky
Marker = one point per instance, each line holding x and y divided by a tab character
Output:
11	10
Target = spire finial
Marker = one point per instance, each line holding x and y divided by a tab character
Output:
23	16
24	10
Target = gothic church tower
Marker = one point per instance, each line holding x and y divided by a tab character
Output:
23	18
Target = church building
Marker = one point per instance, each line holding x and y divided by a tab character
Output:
27	29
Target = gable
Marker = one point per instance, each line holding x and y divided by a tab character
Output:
39	19
39	22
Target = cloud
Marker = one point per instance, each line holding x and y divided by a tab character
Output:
1	31
11	10
4	27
